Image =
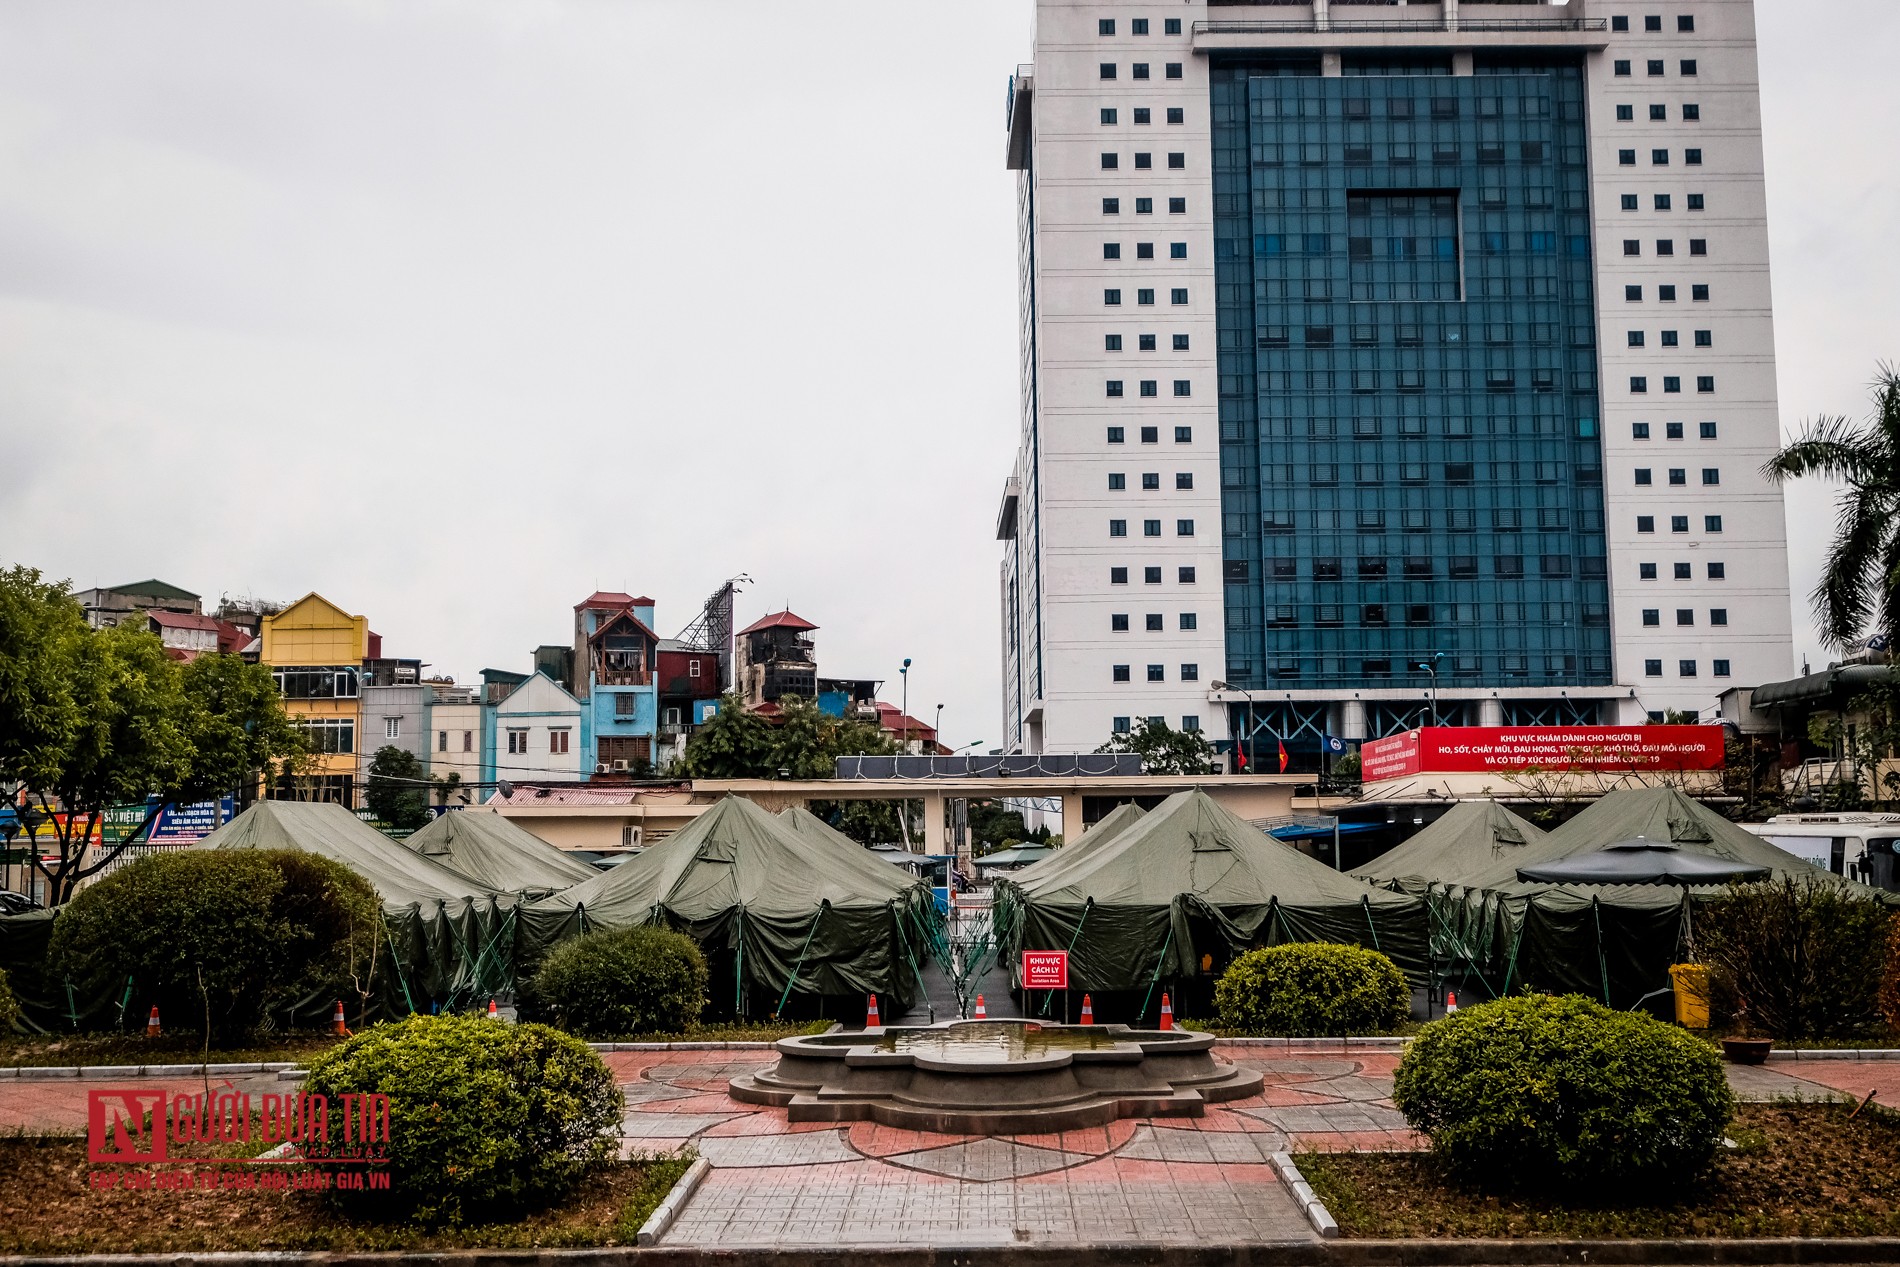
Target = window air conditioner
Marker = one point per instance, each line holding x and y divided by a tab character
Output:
620	765
600	767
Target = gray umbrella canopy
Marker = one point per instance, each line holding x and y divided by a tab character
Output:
1642	861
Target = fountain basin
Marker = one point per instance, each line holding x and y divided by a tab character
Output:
995	1077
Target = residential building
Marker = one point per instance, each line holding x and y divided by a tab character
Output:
316	650
687	676
1353	346
112	605
615	653
394	706
533	732
187	636
911	735
453	722
775	656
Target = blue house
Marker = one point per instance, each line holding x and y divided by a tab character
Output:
616	657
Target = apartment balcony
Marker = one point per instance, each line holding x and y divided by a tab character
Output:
623	677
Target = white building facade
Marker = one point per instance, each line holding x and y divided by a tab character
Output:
1361	338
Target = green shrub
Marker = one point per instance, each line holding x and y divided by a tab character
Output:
10	1015
629	981
1542	1090
241	934
1312	990
486	1119
1797	959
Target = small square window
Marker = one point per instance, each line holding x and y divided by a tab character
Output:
1620	23
1678	475
1691	112
1711	523
1658	114
1644	523
1147	342
1184	435
1705	382
1114	435
1718	571
1118	527
1121	673
1636	338
1152	622
1699	293
1666	293
1139	70
1121	726
1669	341
1632	246
1117	481
1109	116
1183	480
1144	295
1118	622
1178	295
1190	620
1672	431
1665	246
1142	161
1105	26
1642	477
1633	294
1621	67
1184	576
1685	22
1180	343
1639	431
1112	297
1118	576
1685	615
1176	114
1704	338
1111	343
1190	673
1111	206
1144	206
1654	65
1706	430
1652	617
1678	523
1646	571
1184	527
1718	616
1171	26
1174	70
1177	250
1150	388
1719	668
1651	668
1652	22
1630	202
1142	116
1659	158
1626	114
1681	571
1672	384
1151	527
1190	723
1637	385
1711	475
1695	202
1151	435
1183	387
1662	202
1177	161
1692	157
1685	668
1626	158
1138	26
1150	481
1111	250
1688	66
1157	673
1177	206
1108	70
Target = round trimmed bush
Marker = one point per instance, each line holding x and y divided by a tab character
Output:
642	980
1312	990
243	934
486	1119
1539	1089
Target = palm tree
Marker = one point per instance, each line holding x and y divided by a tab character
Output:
1861	581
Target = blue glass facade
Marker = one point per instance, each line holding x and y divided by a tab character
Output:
1409	409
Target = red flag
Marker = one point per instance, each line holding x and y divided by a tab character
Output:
1282	744
1240	757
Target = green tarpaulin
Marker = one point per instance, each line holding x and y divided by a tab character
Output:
450	937
483	847
1105	829
1176	895
780	913
1470	838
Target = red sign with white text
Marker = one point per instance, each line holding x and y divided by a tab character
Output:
1482	749
1045	969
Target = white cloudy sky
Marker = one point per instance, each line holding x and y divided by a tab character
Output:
457	310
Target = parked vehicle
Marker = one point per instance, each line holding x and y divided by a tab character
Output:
1858	846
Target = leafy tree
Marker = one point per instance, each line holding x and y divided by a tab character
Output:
731	744
991	824
397	791
1861	577
93	719
1163	750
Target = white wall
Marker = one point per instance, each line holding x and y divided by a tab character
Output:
539	707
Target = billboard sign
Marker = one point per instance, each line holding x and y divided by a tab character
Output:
1045	969
1489	749
175	825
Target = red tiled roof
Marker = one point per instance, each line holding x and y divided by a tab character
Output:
627	617
894	720
604	598
643	601
777	620
182	620
232	638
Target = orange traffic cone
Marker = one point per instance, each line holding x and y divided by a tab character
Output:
336	1021
1167	1012
494	1013
871	1019
1451	1002
981	1011
151	1023
1088	1011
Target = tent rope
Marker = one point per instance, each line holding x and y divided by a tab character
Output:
1510	964
1365	904
482	958
1087	906
923	991
792	980
1603	965
125	1002
1160	963
1461	948
738	970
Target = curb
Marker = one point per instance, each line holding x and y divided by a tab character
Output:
1398	1253
669	1208
1324	1225
735	1045
1836	1053
31	1072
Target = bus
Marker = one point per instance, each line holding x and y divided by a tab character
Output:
1857	846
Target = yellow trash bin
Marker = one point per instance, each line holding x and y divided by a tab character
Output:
1691	981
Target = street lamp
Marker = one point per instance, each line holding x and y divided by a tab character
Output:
904	708
1431	691
974	743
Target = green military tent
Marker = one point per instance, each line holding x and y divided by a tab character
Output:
780	913
449	936
482	846
1469	838
1173	897
880	868
1105	829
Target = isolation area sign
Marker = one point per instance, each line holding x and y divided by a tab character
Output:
1482	749
1045	969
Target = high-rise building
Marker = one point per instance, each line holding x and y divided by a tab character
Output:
1384	359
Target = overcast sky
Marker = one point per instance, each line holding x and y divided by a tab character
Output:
457	311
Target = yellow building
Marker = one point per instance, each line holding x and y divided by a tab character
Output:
316	651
